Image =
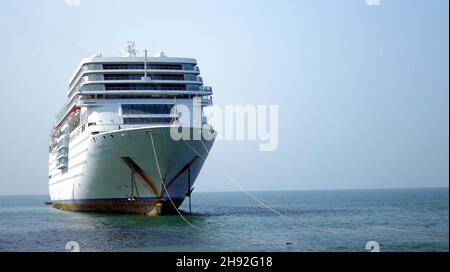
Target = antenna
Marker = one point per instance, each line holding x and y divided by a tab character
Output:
145	64
145	77
131	49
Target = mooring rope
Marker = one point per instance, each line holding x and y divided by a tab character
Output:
164	185
266	205
261	202
437	234
170	198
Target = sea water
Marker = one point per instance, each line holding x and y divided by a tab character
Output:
340	220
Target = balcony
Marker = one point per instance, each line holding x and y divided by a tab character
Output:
61	163
205	88
63	152
193	78
205	102
63	142
61	113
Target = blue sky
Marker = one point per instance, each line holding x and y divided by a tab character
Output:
363	91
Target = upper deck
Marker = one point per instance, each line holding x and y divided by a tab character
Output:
99	60
160	75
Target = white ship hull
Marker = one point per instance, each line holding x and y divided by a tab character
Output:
100	171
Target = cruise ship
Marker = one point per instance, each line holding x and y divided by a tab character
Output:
112	145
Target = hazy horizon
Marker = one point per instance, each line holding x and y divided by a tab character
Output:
362	91
287	190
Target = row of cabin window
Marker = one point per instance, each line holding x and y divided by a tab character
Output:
146	108
139	76
168	87
150	120
132	96
139	66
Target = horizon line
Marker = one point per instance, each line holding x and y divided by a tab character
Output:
289	190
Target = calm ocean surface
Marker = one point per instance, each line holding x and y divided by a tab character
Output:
344	220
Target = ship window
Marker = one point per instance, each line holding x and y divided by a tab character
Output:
190	87
168	87
165	66
166	77
189	67
139	77
150	120
146	108
140	66
122	66
123	76
138	96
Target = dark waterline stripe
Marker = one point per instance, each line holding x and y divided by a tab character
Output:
114	199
